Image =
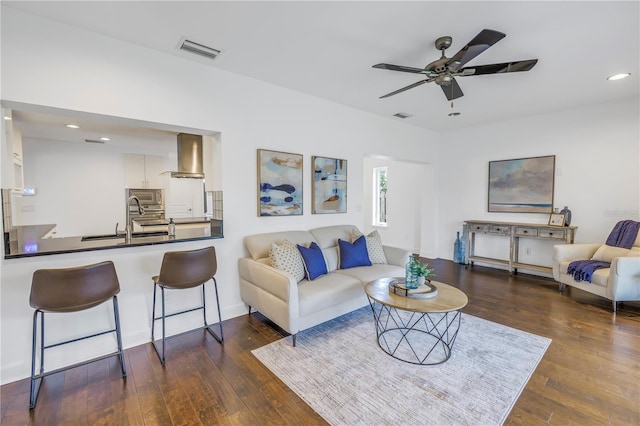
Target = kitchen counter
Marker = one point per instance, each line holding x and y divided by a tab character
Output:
176	220
29	240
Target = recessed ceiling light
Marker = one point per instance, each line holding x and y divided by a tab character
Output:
105	139
454	114
619	76
6	117
73	126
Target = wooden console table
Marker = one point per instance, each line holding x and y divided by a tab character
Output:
515	231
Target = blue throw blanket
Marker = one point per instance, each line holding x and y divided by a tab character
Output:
623	235
582	270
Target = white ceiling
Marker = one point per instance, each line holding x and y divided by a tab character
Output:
327	49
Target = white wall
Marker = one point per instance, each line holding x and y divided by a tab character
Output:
597	151
50	64
412	203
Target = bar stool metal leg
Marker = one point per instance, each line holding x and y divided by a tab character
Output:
219	338
116	317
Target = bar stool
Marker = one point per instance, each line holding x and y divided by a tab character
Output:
182	270
71	290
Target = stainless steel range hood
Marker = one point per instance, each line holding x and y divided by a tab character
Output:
189	157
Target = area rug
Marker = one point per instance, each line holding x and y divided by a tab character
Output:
339	370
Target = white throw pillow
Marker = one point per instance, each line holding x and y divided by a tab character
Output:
606	253
286	257
374	246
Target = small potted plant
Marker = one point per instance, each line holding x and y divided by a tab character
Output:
423	271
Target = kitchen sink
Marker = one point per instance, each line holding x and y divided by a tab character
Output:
121	236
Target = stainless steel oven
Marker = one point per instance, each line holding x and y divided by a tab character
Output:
152	200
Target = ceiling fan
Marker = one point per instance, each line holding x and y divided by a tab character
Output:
444	70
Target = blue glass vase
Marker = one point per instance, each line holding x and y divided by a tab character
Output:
410	274
457	245
567	215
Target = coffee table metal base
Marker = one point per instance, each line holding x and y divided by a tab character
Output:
422	338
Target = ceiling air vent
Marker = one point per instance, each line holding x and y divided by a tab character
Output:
93	141
402	115
198	49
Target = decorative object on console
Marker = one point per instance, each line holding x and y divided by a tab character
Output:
557	219
567	215
329	190
279	183
523	185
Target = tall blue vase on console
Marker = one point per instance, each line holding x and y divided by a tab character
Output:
567	215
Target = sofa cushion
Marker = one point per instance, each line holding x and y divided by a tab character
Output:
328	236
314	264
374	246
326	292
353	254
606	253
367	274
259	245
285	256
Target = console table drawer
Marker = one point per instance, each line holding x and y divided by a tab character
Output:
478	228
499	229
559	234
530	232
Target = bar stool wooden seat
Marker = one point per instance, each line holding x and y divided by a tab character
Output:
182	270
68	290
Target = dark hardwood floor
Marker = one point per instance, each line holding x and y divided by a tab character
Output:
590	374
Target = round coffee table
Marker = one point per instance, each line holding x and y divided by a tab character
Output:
415	330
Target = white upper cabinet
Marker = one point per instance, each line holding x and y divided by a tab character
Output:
144	171
13	175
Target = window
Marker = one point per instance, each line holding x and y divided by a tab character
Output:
380	196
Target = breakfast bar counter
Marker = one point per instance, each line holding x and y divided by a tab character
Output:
35	240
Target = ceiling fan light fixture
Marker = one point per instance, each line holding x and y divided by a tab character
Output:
198	48
618	76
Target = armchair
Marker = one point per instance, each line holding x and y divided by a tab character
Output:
619	282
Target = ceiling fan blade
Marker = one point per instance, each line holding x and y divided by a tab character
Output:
453	90
411	86
499	68
484	40
402	68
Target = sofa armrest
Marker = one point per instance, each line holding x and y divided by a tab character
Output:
396	256
269	279
624	278
564	252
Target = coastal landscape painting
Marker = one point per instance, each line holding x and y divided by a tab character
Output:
279	183
523	185
329	190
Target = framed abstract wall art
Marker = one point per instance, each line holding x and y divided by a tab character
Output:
279	183
329	189
523	185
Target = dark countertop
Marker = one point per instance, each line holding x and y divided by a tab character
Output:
29	241
176	220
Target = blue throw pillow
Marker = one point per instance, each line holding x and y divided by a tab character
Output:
314	264
352	255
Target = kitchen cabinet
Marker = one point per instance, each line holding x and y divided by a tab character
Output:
13	175
144	171
185	198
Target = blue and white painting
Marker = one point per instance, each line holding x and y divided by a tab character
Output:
280	183
329	185
524	185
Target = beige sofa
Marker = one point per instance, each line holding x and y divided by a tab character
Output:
295	306
620	282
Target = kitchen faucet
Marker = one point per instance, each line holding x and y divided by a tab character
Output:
129	228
